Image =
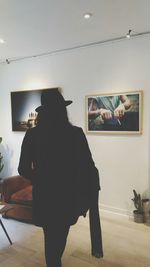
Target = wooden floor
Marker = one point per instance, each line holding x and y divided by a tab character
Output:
126	244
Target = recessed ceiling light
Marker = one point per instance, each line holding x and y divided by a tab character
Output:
2	41
87	15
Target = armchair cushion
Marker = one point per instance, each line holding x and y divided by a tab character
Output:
12	185
17	197
23	196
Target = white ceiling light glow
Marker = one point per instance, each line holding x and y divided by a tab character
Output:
87	15
2	41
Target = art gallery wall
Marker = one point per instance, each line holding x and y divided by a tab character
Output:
122	160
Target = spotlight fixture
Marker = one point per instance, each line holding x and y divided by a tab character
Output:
87	15
128	35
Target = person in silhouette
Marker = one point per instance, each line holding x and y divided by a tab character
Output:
56	158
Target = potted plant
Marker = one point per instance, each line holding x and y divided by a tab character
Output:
1	158
142	205
138	203
146	209
1	167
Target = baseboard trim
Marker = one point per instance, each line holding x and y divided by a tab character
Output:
115	210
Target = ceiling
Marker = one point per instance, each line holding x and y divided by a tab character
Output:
31	27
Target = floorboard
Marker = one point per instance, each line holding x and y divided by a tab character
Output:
126	244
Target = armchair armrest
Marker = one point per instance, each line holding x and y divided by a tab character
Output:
13	184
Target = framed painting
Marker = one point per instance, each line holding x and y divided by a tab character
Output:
23	105
115	113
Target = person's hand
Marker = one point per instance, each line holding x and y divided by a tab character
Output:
119	111
105	113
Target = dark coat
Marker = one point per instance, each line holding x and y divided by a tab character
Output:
60	166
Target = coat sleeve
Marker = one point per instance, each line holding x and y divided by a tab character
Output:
87	164
87	175
25	167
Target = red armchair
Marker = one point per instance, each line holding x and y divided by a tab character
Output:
17	196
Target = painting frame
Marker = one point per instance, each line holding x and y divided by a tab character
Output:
100	121
23	105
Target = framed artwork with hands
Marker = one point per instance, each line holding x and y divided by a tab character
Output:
115	113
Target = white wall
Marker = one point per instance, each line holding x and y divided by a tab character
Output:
123	161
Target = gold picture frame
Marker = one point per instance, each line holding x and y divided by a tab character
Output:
114	113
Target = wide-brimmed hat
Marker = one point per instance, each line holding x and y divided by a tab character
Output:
51	98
